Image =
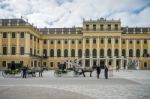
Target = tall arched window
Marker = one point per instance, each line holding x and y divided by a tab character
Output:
116	52
87	53
51	53
101	52
79	53
145	53
72	53
124	52
58	53
109	52
65	53
94	53
130	53
137	53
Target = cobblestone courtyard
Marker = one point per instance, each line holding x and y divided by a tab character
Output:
123	85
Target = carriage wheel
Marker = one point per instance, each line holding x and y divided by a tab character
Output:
4	74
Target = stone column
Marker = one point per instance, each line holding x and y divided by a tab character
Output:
127	52
76	51
27	43
141	48
105	50
55	48
1	43
62	48
17	49
69	48
83	53
148	46
106	43
91	54
134	48
120	54
113	46
9	47
98	51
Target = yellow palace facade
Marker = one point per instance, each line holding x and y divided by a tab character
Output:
97	42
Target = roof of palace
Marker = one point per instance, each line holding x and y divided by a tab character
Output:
73	30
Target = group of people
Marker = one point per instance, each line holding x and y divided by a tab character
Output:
98	69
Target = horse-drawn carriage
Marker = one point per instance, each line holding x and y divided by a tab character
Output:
77	70
12	70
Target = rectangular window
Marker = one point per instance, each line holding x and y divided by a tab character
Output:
102	41
52	42
13	35
22	35
30	51
4	50
34	38
45	41
13	51
44	64
109	27
145	41
66	42
21	50
101	27
30	36
94	41
116	41
51	64
4	34
58	41
87	27
123	41
116	26
130	41
45	52
72	41
4	63
94	27
80	41
87	41
38	40
34	51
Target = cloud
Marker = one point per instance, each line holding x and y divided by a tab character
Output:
67	13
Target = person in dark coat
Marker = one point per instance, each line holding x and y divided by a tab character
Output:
41	69
24	71
98	71
106	72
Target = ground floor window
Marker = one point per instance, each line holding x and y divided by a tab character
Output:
51	64
109	62
44	64
145	64
4	63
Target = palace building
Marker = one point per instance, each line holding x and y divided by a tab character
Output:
96	42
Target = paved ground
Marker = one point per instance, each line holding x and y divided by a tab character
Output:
122	85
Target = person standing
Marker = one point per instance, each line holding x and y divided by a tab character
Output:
106	72
98	71
24	71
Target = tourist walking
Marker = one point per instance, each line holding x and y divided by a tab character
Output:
98	71
106	72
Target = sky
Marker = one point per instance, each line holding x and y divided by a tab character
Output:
70	13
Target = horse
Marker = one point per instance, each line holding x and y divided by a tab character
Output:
80	70
34	70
